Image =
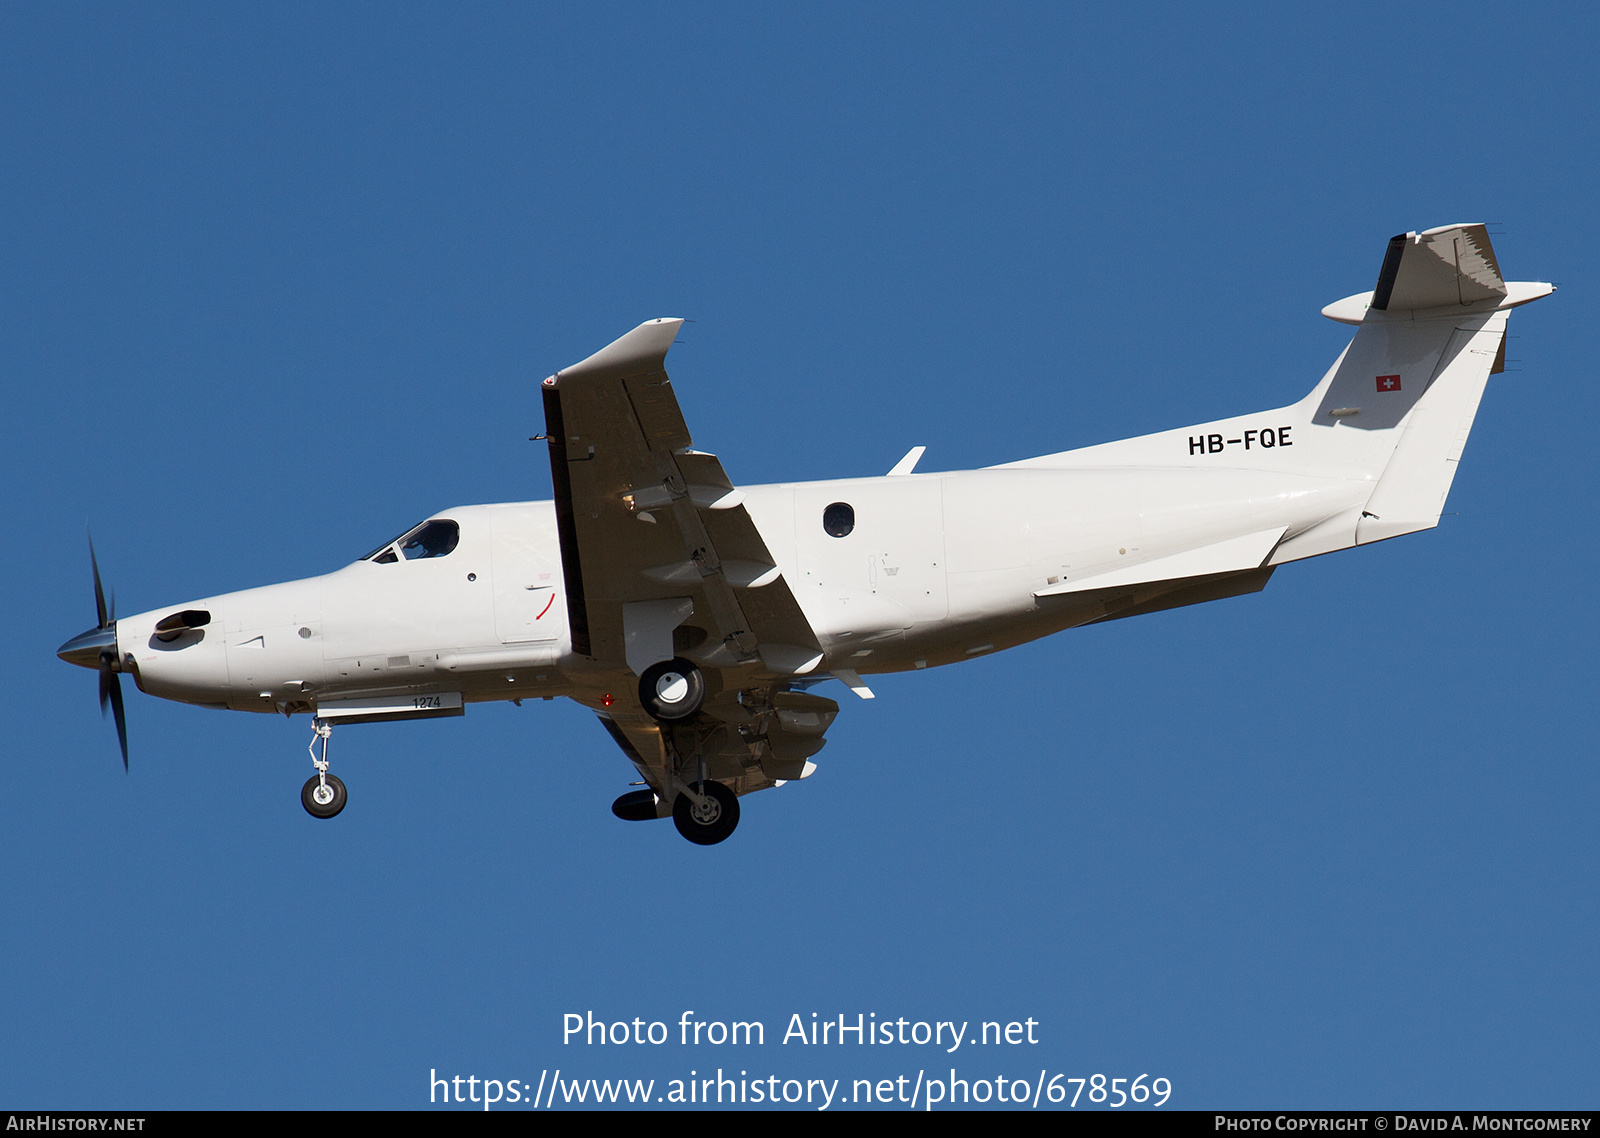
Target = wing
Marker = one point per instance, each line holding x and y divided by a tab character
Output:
662	559
654	537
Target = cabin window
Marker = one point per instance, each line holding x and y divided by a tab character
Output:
839	519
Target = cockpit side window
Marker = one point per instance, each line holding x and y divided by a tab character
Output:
435	538
431	539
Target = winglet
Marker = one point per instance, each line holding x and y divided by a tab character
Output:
907	464
642	350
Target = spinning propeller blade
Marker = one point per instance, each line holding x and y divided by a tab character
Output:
99	593
97	649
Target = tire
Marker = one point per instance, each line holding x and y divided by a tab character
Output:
327	809
707	827
672	690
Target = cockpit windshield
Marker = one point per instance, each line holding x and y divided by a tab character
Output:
436	537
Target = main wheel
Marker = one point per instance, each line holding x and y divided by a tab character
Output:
323	801
672	690
709	824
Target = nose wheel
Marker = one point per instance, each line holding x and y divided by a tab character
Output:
323	795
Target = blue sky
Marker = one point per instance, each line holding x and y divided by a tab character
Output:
281	280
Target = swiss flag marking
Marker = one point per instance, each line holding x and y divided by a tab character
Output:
1388	383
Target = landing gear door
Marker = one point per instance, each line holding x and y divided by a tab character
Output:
528	601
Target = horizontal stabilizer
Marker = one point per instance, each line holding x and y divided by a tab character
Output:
1231	556
1453	264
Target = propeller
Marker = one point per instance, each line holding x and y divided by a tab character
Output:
97	649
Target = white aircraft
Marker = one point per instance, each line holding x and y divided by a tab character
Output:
693	616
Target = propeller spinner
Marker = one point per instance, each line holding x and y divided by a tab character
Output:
97	648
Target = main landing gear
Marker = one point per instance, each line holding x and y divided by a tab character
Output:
672	690
705	813
323	795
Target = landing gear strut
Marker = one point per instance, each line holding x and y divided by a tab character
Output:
323	795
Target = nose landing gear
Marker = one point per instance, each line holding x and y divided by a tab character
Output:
323	795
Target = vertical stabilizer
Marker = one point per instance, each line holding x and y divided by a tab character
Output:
1411	493
1389	419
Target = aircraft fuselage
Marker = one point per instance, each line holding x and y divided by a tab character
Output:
935	568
